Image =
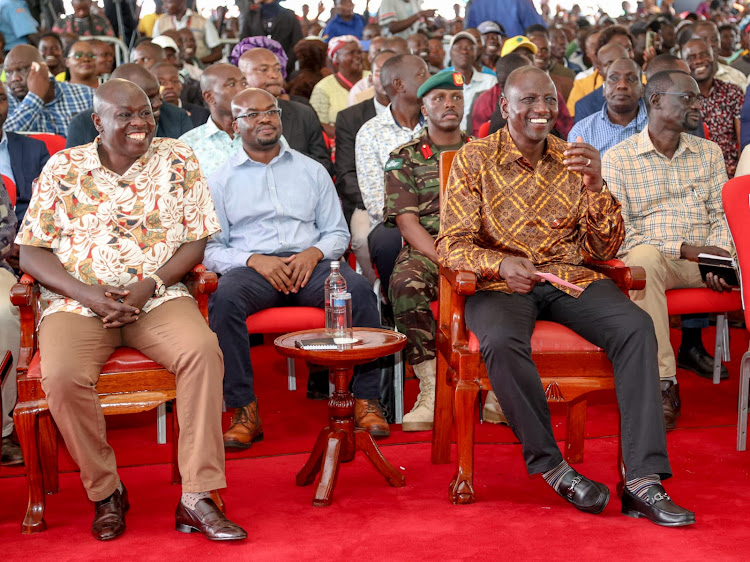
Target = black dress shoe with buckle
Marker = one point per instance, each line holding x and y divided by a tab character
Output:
208	519
697	360
109	516
657	507
586	495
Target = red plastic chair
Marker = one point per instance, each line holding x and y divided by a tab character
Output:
10	187
736	199
705	301
285	319
55	143
484	130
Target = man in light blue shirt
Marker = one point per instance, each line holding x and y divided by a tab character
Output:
515	15
623	113
281	225
215	142
16	23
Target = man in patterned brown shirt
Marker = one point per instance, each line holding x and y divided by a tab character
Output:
520	204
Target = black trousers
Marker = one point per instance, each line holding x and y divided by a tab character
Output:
385	244
603	315
243	291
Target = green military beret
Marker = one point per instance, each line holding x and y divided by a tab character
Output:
445	80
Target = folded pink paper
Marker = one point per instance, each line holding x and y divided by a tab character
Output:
555	279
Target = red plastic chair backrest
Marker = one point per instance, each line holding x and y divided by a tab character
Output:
735	196
484	130
55	143
10	187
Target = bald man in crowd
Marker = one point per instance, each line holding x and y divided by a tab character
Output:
104	290
37	102
171	121
537	182
302	129
216	141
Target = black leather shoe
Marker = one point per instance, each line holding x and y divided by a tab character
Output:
109	516
208	519
11	454
587	495
317	383
697	360
670	402
657	507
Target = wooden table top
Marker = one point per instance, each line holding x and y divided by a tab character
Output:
372	343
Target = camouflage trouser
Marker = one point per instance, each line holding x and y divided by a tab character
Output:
413	286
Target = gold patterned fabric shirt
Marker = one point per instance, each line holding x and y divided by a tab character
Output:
109	229
497	205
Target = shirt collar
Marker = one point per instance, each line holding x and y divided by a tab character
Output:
392	119
687	142
641	117
425	140
91	160
241	157
3	138
508	151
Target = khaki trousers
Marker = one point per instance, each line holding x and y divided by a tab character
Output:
73	350
10	340
662	274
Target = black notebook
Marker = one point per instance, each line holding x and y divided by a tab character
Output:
726	268
320	344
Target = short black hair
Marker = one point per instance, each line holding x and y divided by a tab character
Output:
609	32
507	64
536	28
52	35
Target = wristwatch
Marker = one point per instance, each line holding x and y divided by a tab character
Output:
161	288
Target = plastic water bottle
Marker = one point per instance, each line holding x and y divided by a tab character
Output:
334	284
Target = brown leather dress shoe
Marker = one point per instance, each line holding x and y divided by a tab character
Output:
670	401
109	516
206	518
246	428
11	453
369	416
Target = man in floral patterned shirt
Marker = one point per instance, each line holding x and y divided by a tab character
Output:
111	229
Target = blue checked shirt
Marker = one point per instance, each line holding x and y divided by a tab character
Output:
31	114
602	134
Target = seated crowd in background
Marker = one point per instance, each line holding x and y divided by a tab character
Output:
273	107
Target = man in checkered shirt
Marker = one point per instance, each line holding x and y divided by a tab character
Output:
669	184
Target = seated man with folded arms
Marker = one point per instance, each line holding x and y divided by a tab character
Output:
281	225
412	203
669	184
171	121
107	285
522	202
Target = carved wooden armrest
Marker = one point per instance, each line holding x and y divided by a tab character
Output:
631	278
462	282
25	295
201	283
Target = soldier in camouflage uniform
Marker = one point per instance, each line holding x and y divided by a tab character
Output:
412	204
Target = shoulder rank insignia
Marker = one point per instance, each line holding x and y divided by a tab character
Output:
394	164
426	151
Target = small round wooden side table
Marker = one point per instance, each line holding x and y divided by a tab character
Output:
338	442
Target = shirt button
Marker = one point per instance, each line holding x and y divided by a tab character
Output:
556	223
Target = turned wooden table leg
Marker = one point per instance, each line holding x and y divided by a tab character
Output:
366	443
329	473
26	419
307	475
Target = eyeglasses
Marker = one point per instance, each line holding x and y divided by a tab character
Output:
253	115
78	55
687	98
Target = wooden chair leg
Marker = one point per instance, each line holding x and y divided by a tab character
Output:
443	417
26	420
461	490
575	431
176	478
48	452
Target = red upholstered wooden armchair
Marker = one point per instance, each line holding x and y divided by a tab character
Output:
570	368
129	383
